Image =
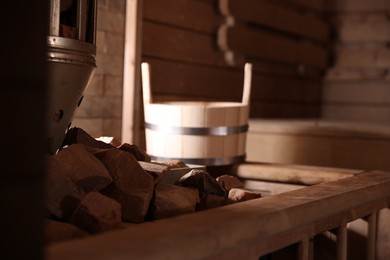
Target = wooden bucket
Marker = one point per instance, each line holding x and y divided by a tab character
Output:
196	132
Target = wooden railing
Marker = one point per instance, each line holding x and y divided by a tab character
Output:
249	229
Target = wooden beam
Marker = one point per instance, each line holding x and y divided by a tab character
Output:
172	43
358	112
277	17
284	109
369	58
314	4
184	13
357	5
191	80
263	44
361	27
375	93
287	173
357	74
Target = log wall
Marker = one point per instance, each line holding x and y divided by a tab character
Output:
356	86
197	50
101	110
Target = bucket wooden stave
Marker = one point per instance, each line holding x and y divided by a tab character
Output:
196	132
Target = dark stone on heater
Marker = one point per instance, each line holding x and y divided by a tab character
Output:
83	168
138	153
76	135
213	201
62	196
157	170
172	200
97	213
237	194
132	187
203	181
228	182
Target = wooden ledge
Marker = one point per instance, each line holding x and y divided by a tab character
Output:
318	127
295	174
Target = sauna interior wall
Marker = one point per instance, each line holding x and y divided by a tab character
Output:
287	42
354	121
180	40
101	110
357	83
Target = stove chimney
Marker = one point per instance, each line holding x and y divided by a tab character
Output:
71	50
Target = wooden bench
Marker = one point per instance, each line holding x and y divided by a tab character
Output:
253	228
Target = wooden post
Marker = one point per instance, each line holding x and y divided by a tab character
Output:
342	242
131	108
305	249
371	237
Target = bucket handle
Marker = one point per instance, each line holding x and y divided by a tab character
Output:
147	94
145	73
246	92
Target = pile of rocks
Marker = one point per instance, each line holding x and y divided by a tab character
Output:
93	187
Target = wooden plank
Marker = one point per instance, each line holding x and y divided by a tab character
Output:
285	89
262	109
357	5
177	44
362	27
277	17
184	13
267	188
131	71
253	227
373	93
288	173
370	57
354	74
259	109
321	128
271	46
356	112
315	7
181	79
314	4
282	69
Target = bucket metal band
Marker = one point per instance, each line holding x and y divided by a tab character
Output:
179	130
216	161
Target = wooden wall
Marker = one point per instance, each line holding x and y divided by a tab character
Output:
101	110
357	84
197	53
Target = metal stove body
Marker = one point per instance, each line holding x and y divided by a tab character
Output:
71	51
